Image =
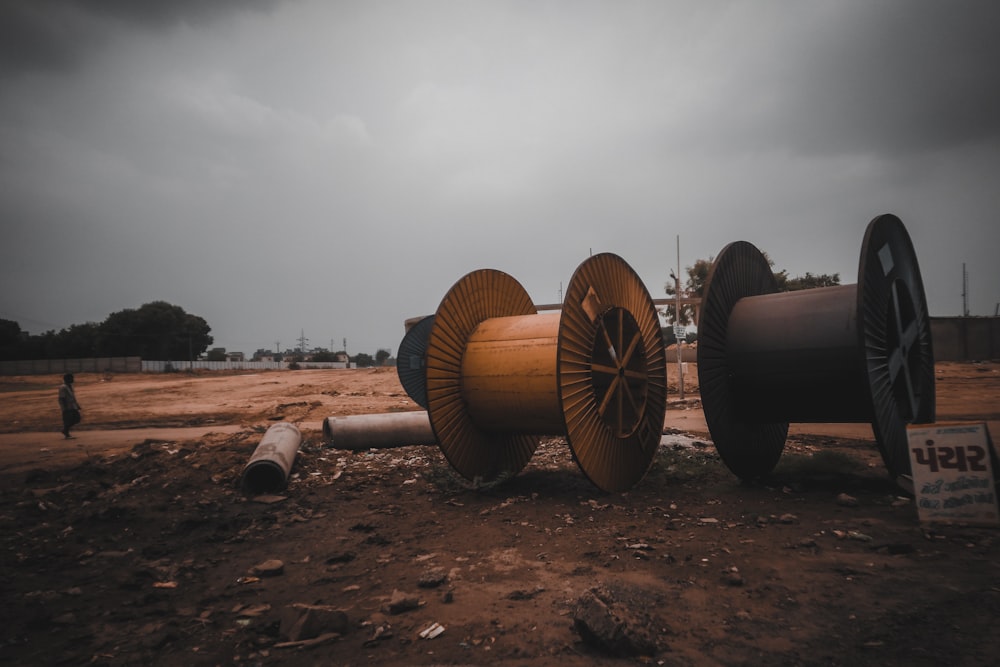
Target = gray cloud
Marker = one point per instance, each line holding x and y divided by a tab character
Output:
56	35
336	167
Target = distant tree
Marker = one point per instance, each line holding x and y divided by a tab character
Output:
363	360
216	354
11	338
156	330
381	356
698	275
76	341
808	281
324	356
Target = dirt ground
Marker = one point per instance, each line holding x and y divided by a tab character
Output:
133	544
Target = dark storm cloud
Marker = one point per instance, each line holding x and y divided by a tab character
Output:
897	77
54	35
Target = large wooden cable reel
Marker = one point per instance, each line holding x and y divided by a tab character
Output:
850	353
499	375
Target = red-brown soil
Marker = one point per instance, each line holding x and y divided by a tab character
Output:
134	545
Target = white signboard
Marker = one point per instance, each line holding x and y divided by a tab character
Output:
953	473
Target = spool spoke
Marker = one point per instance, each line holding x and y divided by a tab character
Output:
608	397
632	347
906	333
627	393
618	369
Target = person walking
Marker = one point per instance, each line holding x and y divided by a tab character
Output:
67	403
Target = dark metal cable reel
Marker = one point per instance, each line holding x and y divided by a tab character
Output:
411	360
499	374
850	353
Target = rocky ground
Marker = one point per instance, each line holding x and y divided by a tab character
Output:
132	545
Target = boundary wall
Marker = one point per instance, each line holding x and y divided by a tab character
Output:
162	366
61	366
965	338
138	365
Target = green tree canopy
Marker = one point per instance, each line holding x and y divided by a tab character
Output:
363	360
156	330
381	356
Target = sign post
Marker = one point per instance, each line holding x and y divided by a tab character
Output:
953	479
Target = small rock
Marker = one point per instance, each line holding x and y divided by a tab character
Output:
308	621
845	500
400	602
734	579
610	627
788	518
381	629
520	594
432	578
340	557
268	499
269	568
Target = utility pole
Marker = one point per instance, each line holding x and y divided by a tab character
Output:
302	341
680	339
965	292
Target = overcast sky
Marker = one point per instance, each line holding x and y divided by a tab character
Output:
334	167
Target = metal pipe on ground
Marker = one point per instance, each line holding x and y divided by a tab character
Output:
269	466
380	431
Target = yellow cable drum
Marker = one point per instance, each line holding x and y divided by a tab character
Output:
499	375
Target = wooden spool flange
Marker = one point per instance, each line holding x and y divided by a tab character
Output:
850	353
500	375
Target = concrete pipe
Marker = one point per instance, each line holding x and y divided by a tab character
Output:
381	431
268	468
